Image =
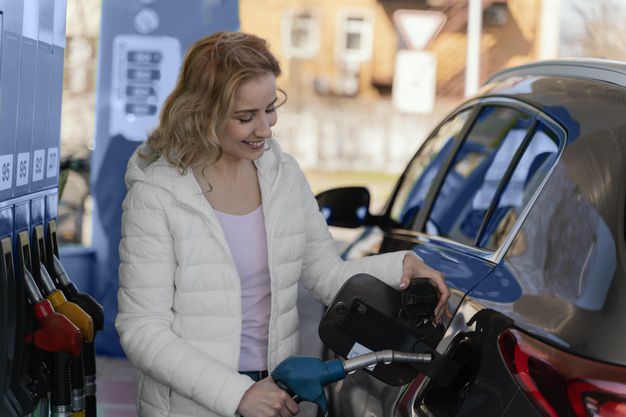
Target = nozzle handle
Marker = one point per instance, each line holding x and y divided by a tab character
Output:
306	377
289	392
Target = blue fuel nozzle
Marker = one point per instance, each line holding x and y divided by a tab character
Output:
305	378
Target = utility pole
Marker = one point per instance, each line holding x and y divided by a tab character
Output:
550	29
474	29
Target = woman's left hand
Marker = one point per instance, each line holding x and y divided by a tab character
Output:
414	268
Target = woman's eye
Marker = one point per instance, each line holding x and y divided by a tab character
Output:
270	110
245	119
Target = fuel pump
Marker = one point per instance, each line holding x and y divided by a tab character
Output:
73	312
84	301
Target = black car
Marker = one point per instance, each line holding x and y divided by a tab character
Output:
519	198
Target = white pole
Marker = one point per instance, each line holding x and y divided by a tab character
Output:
550	29
474	29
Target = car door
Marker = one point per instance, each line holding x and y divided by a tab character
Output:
472	335
439	208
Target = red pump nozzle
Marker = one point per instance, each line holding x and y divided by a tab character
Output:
56	332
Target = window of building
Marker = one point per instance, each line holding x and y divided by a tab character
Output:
300	34
354	37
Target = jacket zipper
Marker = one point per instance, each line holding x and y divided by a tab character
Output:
269	232
226	249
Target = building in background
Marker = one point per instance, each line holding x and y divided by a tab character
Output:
348	48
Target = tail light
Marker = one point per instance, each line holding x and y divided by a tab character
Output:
563	384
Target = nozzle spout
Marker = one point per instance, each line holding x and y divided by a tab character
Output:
59	271
386	356
46	281
31	287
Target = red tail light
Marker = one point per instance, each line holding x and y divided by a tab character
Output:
563	384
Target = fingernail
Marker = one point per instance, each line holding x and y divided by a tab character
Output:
403	285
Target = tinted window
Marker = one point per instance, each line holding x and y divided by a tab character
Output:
472	181
539	155
423	168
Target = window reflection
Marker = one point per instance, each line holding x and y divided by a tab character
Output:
423	169
539	155
478	168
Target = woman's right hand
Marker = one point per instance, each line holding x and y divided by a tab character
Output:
266	399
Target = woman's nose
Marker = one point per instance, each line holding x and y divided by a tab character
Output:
263	129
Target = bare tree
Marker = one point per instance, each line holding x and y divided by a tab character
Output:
597	29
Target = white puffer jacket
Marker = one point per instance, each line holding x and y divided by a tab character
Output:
179	315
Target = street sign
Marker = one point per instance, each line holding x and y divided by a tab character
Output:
417	28
415	81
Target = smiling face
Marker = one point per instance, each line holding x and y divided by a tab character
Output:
254	114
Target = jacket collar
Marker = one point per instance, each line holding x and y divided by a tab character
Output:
186	189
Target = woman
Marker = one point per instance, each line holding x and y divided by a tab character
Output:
219	226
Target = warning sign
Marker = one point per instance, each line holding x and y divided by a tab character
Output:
417	28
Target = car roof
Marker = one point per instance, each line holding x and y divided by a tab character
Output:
604	70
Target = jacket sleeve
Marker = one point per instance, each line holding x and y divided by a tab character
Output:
323	270
145	301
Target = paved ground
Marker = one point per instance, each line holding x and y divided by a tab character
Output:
116	387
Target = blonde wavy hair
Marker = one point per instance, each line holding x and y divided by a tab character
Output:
195	113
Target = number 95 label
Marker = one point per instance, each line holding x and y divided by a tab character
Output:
6	172
23	167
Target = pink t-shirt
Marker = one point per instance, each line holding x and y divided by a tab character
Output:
247	240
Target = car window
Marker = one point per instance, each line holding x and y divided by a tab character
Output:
478	167
423	168
539	155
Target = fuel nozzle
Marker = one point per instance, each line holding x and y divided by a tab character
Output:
304	378
85	301
58	335
56	332
84	322
96	312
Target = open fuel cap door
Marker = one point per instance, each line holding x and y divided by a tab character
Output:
369	315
